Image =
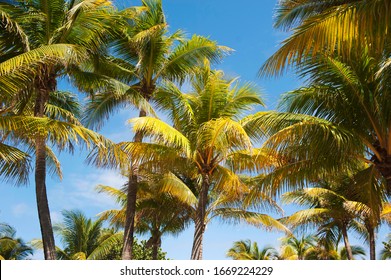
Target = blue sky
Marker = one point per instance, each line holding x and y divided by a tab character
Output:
245	26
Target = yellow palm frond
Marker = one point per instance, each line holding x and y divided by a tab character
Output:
161	133
229	183
254	160
252	218
64	53
307	216
176	187
150	153
222	135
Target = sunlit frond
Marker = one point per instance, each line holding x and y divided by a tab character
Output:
256	219
161	133
326	26
57	52
174	186
223	135
189	54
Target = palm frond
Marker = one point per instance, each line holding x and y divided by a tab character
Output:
57	52
14	164
189	54
106	246
252	218
161	133
176	187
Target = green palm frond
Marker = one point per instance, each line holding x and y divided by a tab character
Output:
12	248
12	27
109	155
38	245
58	113
178	105
14	164
246	250
105	247
67	106
88	24
243	97
188	55
115	96
386	251
63	134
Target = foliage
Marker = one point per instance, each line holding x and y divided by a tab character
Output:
340	28
386	251
12	248
247	250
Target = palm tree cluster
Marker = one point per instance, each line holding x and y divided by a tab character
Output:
327	148
292	248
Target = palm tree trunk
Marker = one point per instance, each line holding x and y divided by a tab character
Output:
347	243
196	253
127	252
49	247
157	242
155	249
372	244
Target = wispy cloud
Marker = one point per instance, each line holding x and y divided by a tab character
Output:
78	191
20	210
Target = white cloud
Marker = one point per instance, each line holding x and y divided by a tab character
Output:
78	191
20	209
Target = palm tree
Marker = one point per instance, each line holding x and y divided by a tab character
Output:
327	208
328	239
296	249
157	213
332	27
208	144
60	126
247	250
146	56
370	205
75	31
84	239
357	201
341	116
327	251
12	248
